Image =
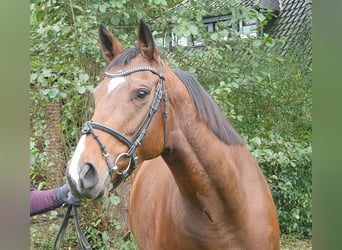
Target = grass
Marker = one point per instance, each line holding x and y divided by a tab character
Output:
289	242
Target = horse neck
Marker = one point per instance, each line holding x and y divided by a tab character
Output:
202	165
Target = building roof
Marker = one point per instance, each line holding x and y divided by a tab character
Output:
293	22
263	4
291	18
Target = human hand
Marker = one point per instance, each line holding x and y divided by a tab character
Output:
64	196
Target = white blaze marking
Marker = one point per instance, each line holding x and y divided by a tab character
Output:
73	167
113	83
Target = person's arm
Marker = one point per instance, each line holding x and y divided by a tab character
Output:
43	201
46	200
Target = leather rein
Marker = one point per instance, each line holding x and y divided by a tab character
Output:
82	240
132	144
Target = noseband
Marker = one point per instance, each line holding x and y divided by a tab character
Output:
139	134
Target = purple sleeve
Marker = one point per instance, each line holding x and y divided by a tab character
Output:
42	201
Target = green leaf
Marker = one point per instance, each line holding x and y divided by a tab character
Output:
33	77
115	200
102	8
274	177
81	89
52	93
256	140
41	185
214	36
115	20
46	72
257	43
193	29
84	77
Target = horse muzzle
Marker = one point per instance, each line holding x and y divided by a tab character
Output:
86	181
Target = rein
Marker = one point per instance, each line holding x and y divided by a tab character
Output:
139	134
82	240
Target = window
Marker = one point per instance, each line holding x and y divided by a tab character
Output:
248	28
211	27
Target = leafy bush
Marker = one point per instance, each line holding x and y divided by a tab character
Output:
268	98
287	166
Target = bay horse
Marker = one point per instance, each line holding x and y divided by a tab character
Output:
195	185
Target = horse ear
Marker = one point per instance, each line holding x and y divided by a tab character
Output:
145	41
110	46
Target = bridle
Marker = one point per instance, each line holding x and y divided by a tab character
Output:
139	135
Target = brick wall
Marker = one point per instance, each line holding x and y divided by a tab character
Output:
53	131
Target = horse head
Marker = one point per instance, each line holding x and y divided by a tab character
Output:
129	124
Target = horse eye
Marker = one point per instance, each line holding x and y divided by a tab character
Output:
141	94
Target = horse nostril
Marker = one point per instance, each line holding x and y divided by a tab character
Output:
88	176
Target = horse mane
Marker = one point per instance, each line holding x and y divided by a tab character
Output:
206	107
209	111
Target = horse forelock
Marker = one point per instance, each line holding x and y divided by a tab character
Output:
125	58
209	111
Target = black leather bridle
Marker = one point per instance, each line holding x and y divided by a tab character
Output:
139	135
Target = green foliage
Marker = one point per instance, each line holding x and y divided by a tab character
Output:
268	99
287	166
266	96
